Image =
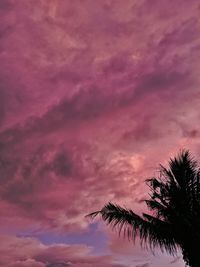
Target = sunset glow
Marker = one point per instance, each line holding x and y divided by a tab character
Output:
94	95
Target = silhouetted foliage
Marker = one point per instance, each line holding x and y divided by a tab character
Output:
174	204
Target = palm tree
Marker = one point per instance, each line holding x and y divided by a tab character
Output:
174	219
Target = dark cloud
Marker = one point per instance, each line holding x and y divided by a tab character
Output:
61	164
58	264
5	5
161	80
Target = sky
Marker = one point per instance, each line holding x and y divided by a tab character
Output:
94	95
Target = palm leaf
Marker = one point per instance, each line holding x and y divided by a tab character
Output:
157	233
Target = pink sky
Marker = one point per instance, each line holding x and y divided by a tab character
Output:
94	95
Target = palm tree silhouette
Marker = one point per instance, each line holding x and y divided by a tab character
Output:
174	204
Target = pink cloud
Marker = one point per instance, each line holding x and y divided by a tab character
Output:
93	97
29	252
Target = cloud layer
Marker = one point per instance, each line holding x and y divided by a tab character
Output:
28	252
89	94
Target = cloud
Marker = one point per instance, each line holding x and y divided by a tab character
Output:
175	260
28	263
88	96
143	265
29	252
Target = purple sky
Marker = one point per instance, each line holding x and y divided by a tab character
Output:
94	95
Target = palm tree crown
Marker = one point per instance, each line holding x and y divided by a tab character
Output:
174	204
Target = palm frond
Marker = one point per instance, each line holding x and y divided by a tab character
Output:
183	168
157	207
159	234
